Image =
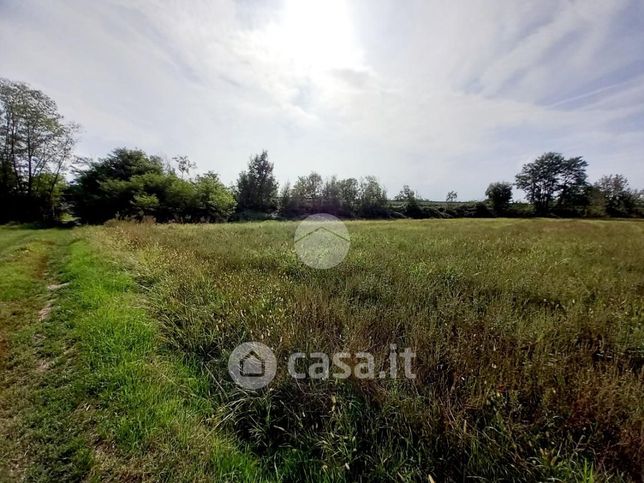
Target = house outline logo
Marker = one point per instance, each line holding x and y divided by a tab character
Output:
252	365
322	241
323	229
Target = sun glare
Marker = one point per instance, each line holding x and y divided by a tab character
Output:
316	36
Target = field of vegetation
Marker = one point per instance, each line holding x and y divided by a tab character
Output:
529	337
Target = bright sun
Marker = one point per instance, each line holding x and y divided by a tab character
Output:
316	35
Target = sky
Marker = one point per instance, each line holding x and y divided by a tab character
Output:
438	95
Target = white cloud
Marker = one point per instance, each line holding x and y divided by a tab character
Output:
439	96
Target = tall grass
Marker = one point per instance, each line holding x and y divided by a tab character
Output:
529	337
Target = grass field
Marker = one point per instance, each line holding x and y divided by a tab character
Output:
529	337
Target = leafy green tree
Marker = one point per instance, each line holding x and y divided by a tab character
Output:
256	188
499	195
160	186
306	194
144	204
554	181
215	202
349	196
617	196
181	200
573	187
332	197
131	184
36	149
104	189
540	180
596	202
287	206
311	194
373	199
411	207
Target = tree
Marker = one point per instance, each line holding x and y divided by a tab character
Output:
406	193
411	208
307	193
539	180
499	195
130	184
215	201
451	197
104	189
372	201
287	206
332	196
184	165
618	198
349	194
256	188
312	194
552	178
144	205
181	201
573	187
596	202
36	149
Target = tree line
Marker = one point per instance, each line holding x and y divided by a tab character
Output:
41	180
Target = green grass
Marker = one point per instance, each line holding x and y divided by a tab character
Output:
88	393
24	258
529	337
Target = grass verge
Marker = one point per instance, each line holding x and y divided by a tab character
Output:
87	391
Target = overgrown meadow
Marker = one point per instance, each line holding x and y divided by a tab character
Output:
529	338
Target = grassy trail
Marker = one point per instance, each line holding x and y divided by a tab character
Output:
26	355
86	393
